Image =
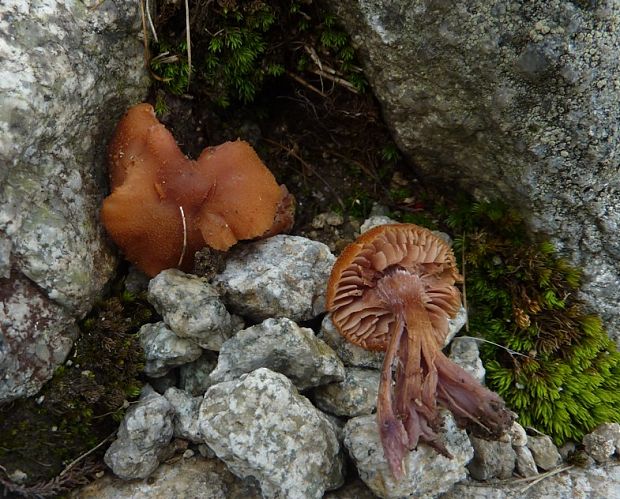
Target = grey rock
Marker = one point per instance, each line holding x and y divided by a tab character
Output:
281	276
5	257
260	426
567	449
510	100
68	73
36	335
185	419
136	281
544	451
525	465
191	307
62	65
375	221
350	354
465	353
142	437
162	383
352	490
518	436
492	459
427	474
590	483
282	346
195	478
354	396
164	350
195	378
603	442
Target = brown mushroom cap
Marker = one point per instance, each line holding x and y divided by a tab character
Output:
357	309
164	207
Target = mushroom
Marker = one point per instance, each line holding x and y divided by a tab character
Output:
164	207
393	290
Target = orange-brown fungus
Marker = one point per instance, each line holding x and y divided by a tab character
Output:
394	290
164	207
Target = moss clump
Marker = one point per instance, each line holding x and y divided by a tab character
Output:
557	368
86	398
240	46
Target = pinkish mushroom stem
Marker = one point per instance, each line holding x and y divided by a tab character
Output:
391	430
416	374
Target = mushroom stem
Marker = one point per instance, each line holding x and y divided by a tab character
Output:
417	385
469	401
391	430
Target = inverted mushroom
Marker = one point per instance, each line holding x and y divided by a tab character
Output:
164	207
394	290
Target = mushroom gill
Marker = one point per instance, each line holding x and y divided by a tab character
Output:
164	206
393	289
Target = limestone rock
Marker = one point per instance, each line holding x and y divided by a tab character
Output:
281	276
351	355
354	396
191	307
68	73
590	483
544	451
465	353
195	478
518	436
195	377
603	442
492	459
282	346
514	101
142	437
62	65
35	336
525	464
164	350
260	426
427	473
185	419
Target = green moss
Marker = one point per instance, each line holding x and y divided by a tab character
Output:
239	47
171	67
558	369
86	398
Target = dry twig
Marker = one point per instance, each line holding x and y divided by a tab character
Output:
303	82
189	43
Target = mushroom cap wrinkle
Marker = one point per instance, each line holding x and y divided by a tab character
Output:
164	206
393	289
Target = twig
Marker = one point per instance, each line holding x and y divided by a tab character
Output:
303	82
148	16
145	35
512	352
546	475
336	79
86	454
310	168
189	43
315	58
184	236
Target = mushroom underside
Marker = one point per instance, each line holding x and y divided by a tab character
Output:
394	289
